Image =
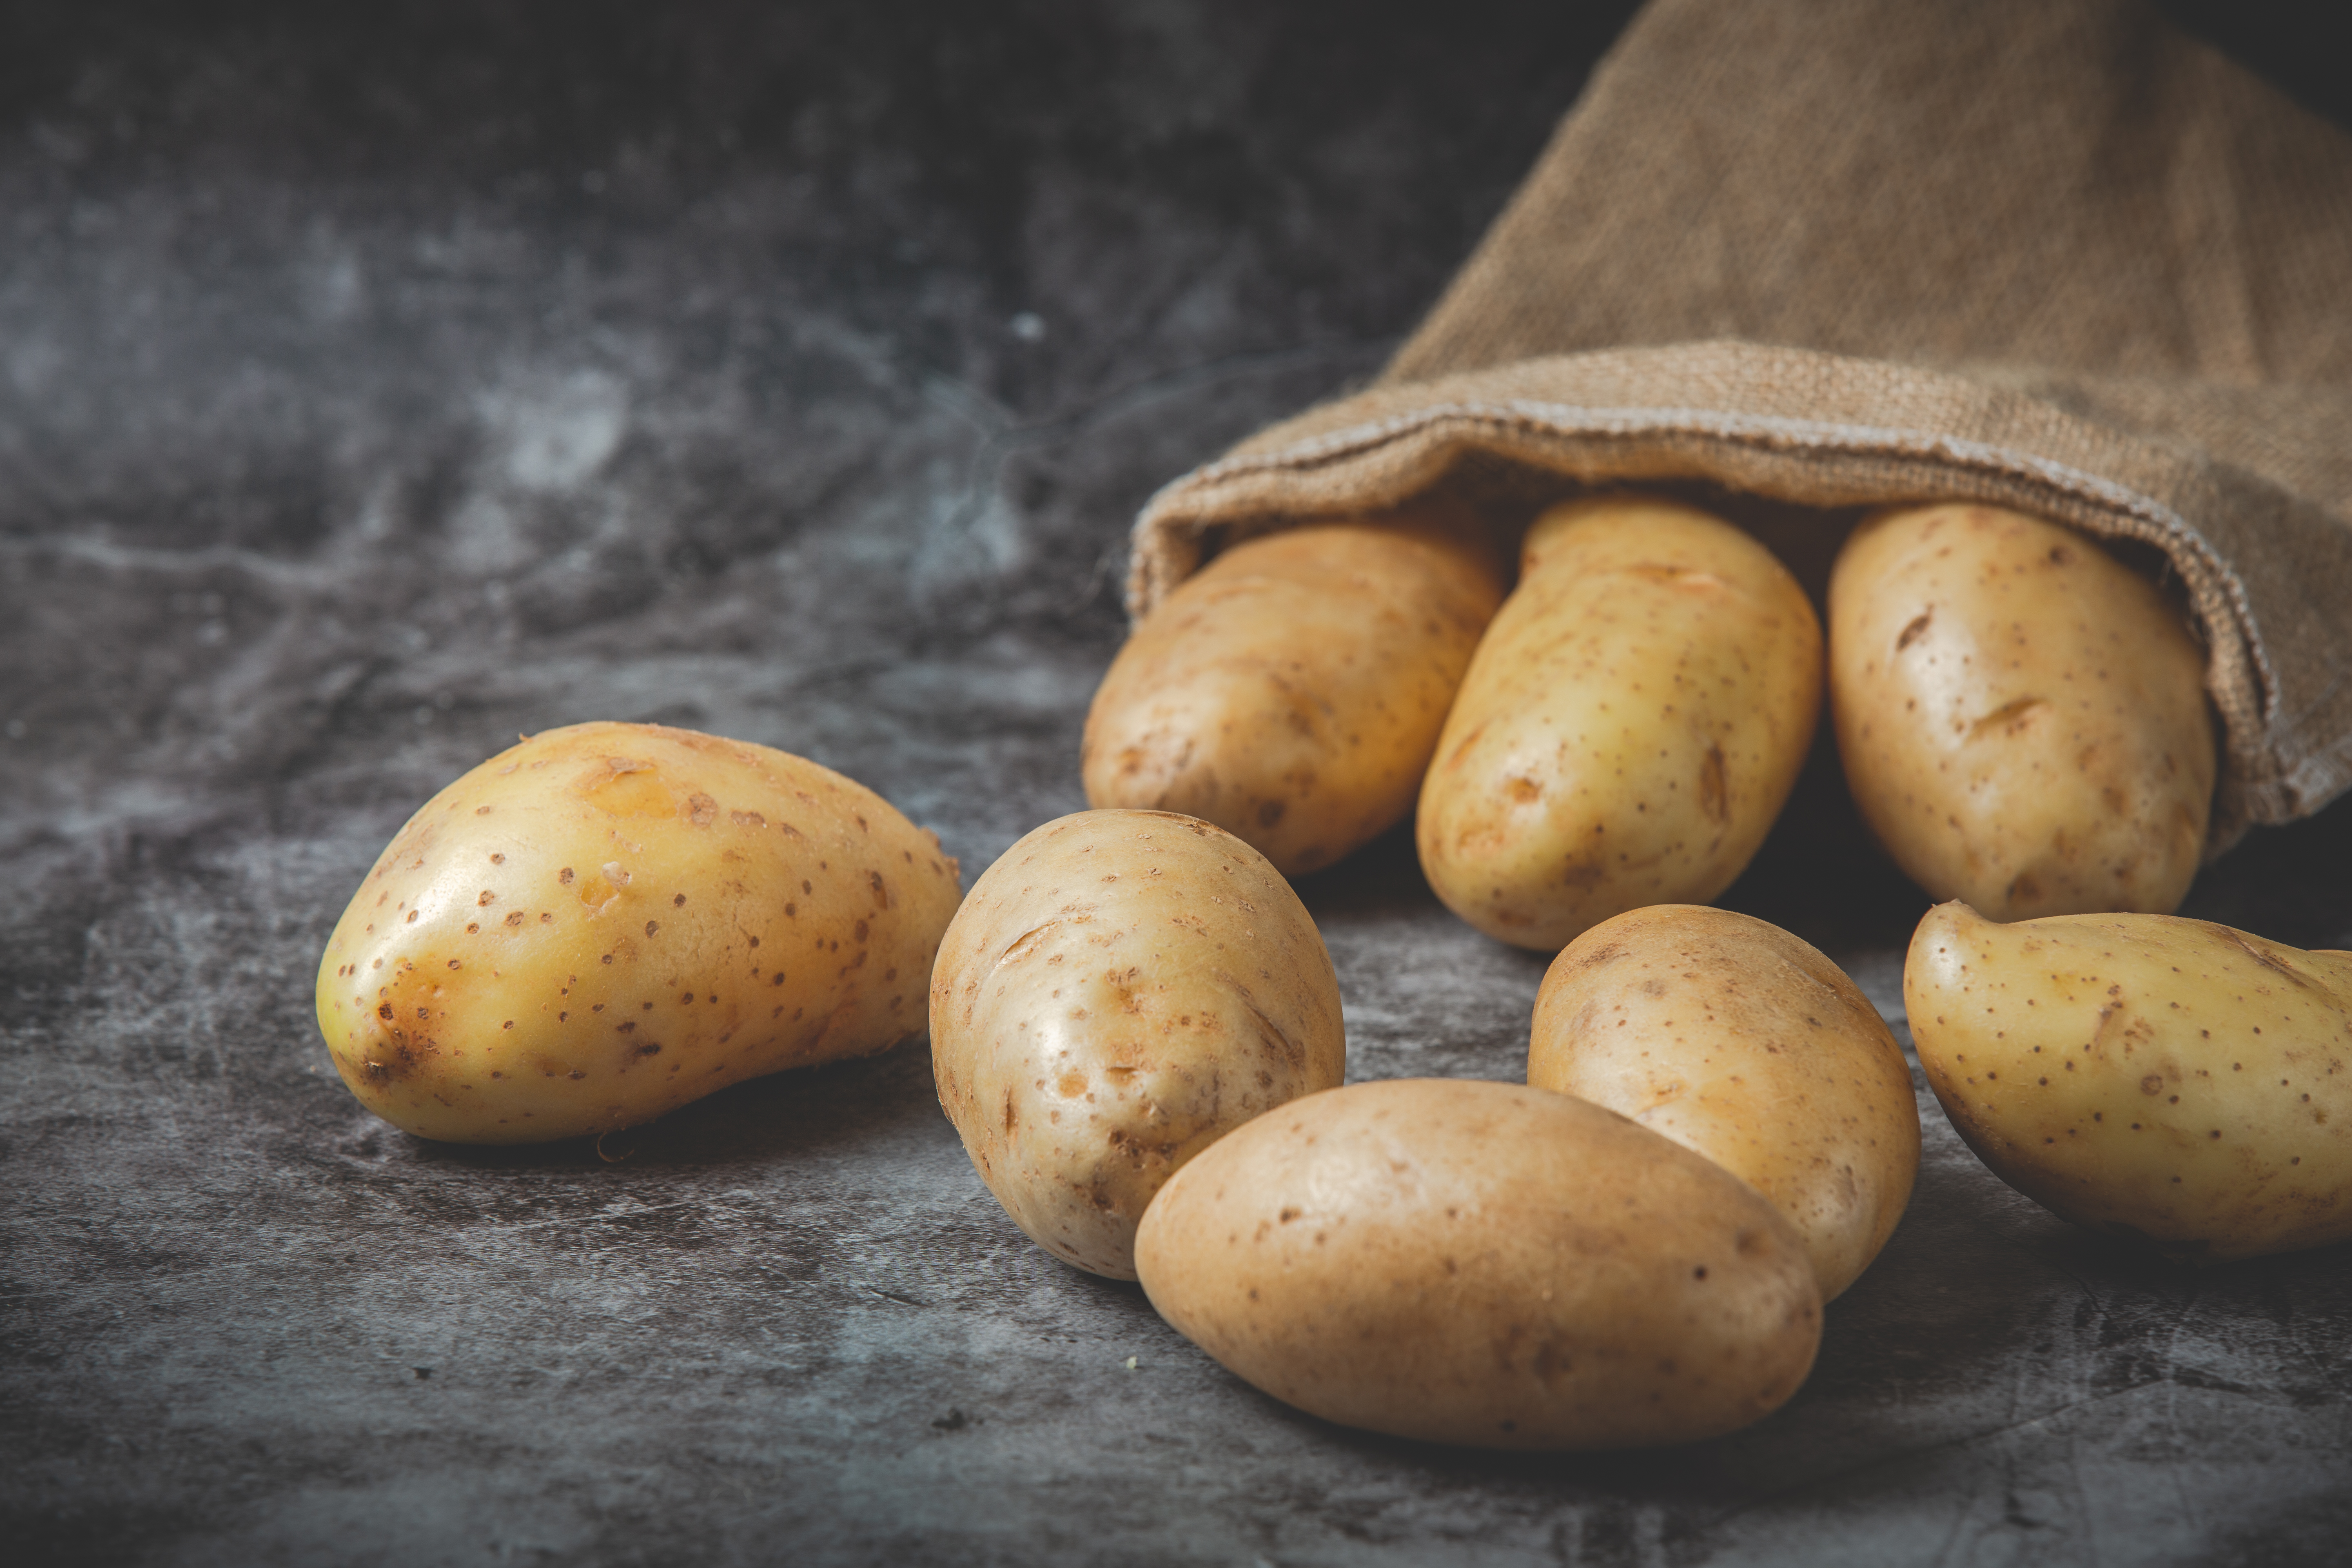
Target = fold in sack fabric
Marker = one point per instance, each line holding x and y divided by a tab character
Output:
2050	255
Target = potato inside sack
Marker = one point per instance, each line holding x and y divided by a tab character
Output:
1122	989
2162	1078
1291	691
1745	1043
2021	716
608	921
1630	727
1484	1263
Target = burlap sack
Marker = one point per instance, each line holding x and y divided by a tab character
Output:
2045	253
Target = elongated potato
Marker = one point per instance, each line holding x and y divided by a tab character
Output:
1486	1264
608	921
2158	1077
1630	725
1742	1043
1122	989
2021	716
1291	691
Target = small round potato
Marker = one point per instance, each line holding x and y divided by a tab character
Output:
1122	989
2162	1078
2021	716
1292	691
1486	1264
1634	720
1742	1043
606	922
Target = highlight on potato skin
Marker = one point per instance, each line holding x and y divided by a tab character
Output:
1484	1263
1121	989
1291	691
2021	716
608	921
1743	1043
1630	727
2168	1080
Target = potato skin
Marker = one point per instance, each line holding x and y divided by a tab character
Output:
2021	716
608	921
1484	1263
2158	1078
1633	723
1742	1043
1292	691
1120	990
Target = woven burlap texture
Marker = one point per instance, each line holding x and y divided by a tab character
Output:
2048	253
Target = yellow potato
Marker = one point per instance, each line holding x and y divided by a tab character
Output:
1122	989
2021	716
2154	1077
1630	727
1742	1043
1291	691
1487	1264
608	921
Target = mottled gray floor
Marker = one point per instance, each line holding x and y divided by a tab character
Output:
374	389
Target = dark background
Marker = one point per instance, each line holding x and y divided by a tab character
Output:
376	384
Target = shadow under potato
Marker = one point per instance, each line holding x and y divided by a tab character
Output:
832	1109
1382	877
1820	873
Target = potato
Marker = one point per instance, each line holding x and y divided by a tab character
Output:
1742	1043
608	921
1122	989
2021	716
2154	1077
1487	1264
1630	727
1291	691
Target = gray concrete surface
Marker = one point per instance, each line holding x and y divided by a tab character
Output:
374	386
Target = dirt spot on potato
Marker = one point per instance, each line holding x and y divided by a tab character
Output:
1468	741
2268	961
1682	577
2007	719
1582	877
1714	788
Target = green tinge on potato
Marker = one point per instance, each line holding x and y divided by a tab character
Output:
1292	691
2158	1078
1484	1263
608	921
2021	716
1630	727
1745	1043
1119	991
